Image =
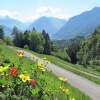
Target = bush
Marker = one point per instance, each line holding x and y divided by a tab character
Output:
1	42
26	47
62	55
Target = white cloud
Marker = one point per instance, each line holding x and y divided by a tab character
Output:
11	14
42	11
52	12
46	9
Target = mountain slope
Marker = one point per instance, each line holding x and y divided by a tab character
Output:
9	23
50	24
89	53
82	24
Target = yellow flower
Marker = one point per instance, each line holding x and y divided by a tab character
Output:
72	99
33	56
39	63
65	90
1	69
48	62
20	54
62	79
24	77
51	70
43	69
5	68
41	66
44	58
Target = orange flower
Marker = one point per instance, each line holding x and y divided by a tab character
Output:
13	71
20	54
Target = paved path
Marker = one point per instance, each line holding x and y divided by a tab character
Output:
89	88
96	76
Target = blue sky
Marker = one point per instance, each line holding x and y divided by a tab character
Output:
29	10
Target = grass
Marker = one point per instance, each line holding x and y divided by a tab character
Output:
12	55
55	60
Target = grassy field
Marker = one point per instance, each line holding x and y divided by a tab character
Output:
59	62
28	64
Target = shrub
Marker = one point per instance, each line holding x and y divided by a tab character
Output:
26	47
62	55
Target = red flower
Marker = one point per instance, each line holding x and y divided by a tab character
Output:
13	71
20	54
33	83
1	64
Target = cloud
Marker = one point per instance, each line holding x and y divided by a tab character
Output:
11	14
46	9
42	11
52	12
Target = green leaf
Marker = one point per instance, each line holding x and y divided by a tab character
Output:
35	90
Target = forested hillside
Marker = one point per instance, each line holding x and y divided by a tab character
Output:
89	53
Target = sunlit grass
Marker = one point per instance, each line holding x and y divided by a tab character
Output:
28	64
60	63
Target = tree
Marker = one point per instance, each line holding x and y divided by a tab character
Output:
47	45
15	33
1	33
36	41
89	54
26	37
72	52
8	40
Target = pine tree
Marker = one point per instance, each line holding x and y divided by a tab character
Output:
47	45
1	33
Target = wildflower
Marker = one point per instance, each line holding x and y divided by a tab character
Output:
20	54
41	66
72	99
24	77
51	70
62	79
48	62
33	56
44	58
33	83
1	69
5	68
13	71
65	90
1	64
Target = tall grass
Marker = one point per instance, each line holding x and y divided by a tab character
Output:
12	55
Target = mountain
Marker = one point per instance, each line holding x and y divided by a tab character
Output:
9	23
50	24
82	24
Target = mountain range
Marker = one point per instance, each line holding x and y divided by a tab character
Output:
80	25
8	24
83	24
50	24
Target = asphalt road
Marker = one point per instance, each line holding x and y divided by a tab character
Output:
80	70
88	87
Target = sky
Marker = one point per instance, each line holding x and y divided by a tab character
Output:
30	10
